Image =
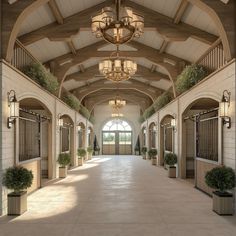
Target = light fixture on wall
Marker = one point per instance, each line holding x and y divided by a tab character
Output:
154	129
117	26
60	120
224	109
13	105
79	128
173	122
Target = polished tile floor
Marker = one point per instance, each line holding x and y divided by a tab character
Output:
118	196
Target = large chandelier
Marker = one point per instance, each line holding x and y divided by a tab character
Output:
119	26
117	103
117	69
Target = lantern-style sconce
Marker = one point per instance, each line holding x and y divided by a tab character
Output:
89	131
144	131
13	105
224	109
60	121
154	129
79	128
173	123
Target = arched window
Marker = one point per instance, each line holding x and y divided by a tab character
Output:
115	125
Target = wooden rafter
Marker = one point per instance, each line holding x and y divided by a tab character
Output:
56	12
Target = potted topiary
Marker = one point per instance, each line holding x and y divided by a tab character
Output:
96	150
171	160
64	161
18	179
152	153
81	155
222	179
144	151
90	152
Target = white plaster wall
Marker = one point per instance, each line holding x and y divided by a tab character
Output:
26	88
102	114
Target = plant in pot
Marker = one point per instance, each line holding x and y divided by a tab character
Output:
222	179
144	151
18	179
81	155
64	161
90	152
152	153
171	160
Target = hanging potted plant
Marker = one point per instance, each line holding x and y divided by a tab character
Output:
222	179
81	155
152	153
64	161
90	152
171	160
144	151
18	179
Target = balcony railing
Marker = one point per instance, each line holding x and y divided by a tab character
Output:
22	57
214	57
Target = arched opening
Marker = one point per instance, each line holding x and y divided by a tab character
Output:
67	137
167	136
117	138
201	138
34	140
152	135
81	135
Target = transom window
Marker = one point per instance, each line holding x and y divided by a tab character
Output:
117	125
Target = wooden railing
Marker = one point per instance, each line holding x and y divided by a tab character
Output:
213	58
22	57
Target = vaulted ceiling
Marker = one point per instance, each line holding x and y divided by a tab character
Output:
176	33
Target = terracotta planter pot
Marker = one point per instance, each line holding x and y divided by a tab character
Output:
172	172
80	161
62	172
154	161
223	204
17	203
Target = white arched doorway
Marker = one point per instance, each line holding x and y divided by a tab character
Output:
117	138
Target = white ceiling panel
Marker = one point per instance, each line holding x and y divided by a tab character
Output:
196	17
45	49
38	18
190	50
151	39
122	47
84	38
165	7
74	6
163	84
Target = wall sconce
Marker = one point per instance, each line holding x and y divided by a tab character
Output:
13	105
154	129
173	123
60	120
79	128
224	109
144	131
89	131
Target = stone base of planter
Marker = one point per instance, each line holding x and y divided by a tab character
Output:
62	172
223	204
80	161
89	156
17	203
172	172
154	162
144	157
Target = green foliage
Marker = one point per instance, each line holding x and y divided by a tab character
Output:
40	75
190	76
81	152
84	112
152	153
144	150
148	112
92	119
170	159
221	178
17	178
141	119
97	148
162	100
71	101
64	159
90	149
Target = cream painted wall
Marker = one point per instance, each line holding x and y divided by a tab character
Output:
11	78
102	114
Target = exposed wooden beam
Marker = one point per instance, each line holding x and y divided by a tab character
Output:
56	12
71	46
150	91
180	11
153	20
163	46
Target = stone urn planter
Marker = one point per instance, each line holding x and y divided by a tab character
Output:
80	161
144	152
81	156
171	160
18	179
152	153
90	152
222	179
63	160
